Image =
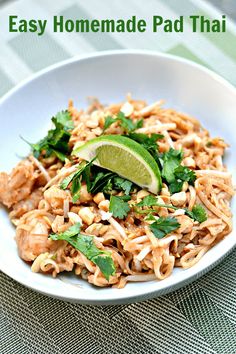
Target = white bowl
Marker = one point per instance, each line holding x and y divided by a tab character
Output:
27	110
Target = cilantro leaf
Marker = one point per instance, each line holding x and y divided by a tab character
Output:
75	179
106	265
66	181
181	173
139	124
72	231
149	200
126	123
174	173
99	179
75	189
108	187
198	213
123	184
119	206
108	122
85	244
171	160
176	187
163	226
60	155
185	174
148	142
65	119
57	139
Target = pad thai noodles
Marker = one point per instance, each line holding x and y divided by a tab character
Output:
72	215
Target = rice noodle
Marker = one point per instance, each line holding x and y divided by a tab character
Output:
62	174
66	207
157	128
148	109
142	254
40	167
214	173
117	226
39	207
141	277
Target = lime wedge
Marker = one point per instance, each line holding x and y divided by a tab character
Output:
125	157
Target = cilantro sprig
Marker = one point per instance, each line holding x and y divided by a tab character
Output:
65	119
73	181
149	200
85	244
185	174
127	124
198	213
174	173
148	142
101	180
163	226
122	184
119	206
171	160
56	141
97	180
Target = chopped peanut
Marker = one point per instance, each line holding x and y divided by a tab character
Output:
96	115
99	197
178	199
141	194
97	131
127	109
165	191
74	218
189	162
104	205
94	229
85	196
91	124
87	215
185	186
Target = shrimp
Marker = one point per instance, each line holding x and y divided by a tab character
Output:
56	196
25	205
17	185
32	235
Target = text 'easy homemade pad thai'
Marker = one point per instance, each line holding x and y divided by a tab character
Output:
119	193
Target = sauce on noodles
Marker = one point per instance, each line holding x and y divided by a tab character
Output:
38	206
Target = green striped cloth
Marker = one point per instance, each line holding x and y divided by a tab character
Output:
201	317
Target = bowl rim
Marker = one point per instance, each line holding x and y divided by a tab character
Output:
85	56
143	294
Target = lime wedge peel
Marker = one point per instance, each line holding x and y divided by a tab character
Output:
125	157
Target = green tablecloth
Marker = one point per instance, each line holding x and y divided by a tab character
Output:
199	318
